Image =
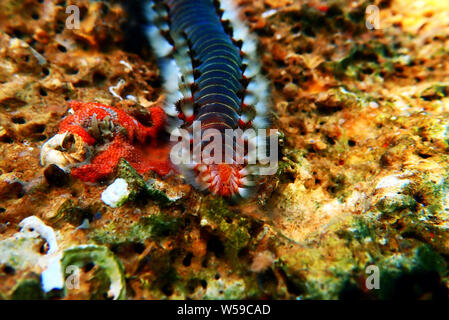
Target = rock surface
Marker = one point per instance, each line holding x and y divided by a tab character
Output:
363	178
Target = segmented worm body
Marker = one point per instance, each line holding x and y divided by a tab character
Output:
211	74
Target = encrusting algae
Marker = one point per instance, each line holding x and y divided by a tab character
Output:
363	177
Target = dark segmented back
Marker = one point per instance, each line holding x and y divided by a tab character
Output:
218	60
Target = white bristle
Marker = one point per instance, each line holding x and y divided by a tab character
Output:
245	118
171	110
189	79
244	193
250	99
258	85
249	46
241	32
179	40
164	27
216	180
251	70
176	132
203	186
170	74
206	177
161	47
186	92
226	5
173	97
260	122
229	15
261	108
150	13
247	182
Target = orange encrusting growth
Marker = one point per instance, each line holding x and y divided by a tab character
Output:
129	145
77	122
104	163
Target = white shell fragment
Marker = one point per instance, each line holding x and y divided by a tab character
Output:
52	277
47	233
60	151
116	193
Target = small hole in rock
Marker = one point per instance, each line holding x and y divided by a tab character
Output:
167	290
99	78
72	71
216	246
188	259
138	247
18	120
41	137
7	139
44	248
62	48
88	266
9	270
38	128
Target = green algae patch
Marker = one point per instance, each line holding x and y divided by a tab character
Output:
165	270
110	273
232	228
396	202
376	59
139	187
70	212
412	276
333	20
136	183
156	227
28	289
435	130
20	253
435	92
321	272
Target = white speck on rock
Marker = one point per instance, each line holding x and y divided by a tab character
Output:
269	13
116	193
112	89
392	182
204	222
33	223
52	277
126	64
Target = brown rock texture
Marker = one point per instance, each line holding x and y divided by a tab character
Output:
362	179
